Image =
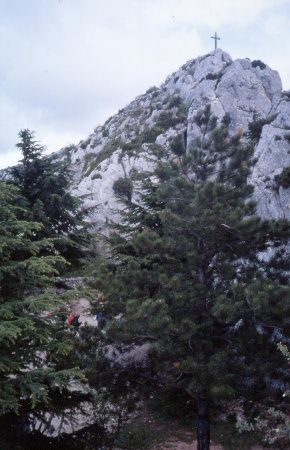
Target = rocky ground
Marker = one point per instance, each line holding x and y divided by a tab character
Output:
180	445
128	143
157	433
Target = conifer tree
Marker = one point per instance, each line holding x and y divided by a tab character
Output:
45	183
195	272
36	361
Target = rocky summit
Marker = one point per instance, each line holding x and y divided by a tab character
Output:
245	92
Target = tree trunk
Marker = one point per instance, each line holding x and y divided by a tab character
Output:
203	426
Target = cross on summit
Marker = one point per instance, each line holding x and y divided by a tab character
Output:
216	38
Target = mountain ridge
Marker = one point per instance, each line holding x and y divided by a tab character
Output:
241	90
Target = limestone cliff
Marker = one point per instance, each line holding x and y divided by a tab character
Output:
127	142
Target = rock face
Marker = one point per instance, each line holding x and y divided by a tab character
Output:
129	142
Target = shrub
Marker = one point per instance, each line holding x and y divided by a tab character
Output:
151	90
177	145
182	113
149	136
84	144
226	119
123	187
135	436
157	150
165	120
96	176
258	63
203	116
175	102
256	127
70	148
92	160
283	179
130	148
212	76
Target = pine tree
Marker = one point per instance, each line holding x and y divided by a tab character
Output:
36	360
45	183
195	272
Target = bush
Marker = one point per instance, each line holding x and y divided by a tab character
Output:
84	144
92	160
177	145
173	403
283	179
226	119
258	63
96	176
165	120
135	436
131	147
212	76
157	151
149	136
256	127
123	187
151	90
182	113
175	102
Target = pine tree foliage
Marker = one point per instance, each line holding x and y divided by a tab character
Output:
199	275
36	352
45	183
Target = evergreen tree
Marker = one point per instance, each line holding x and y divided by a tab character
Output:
36	352
195	272
45	183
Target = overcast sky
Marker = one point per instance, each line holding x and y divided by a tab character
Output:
67	65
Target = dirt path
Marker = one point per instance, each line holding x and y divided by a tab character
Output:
178	445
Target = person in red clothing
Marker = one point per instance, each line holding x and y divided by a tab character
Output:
73	320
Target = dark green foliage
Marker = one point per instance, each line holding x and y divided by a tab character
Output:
84	144
212	76
283	179
177	145
256	127
96	176
187	276
92	160
123	187
182	112
149	136
44	184
175	102
258	63
151	90
105	132
136	436
35	356
204	119
165	120
130	147
226	119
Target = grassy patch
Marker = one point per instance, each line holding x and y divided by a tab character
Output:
92	160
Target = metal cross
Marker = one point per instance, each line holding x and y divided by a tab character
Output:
216	38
